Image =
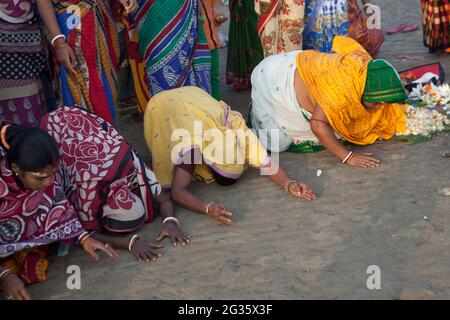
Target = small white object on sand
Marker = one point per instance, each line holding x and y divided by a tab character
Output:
444	192
319	172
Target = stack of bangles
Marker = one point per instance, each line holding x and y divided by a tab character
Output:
132	242
348	157
82	238
4	274
59	36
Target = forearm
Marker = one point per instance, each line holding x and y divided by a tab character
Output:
47	12
119	242
165	205
326	137
186	199
280	178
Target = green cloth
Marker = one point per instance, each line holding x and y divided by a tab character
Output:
215	74
383	84
244	46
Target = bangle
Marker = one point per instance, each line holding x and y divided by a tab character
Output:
59	36
347	157
4	274
132	241
61	45
288	184
173	219
82	235
84	239
207	207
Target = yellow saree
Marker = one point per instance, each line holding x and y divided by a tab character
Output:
336	82
179	120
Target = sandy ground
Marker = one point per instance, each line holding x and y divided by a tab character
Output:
283	248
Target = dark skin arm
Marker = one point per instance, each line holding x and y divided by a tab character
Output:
170	228
180	194
324	132
64	53
322	129
13	287
297	189
141	249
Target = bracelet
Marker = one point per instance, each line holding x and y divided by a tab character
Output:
132	241
347	157
288	184
82	235
209	205
4	274
84	239
59	36
61	45
168	219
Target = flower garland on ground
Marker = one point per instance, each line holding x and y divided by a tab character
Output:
429	107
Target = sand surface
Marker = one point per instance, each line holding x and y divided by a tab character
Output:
283	248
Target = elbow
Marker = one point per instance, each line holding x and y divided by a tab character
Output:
316	127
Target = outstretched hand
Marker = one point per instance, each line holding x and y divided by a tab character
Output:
175	234
301	190
90	245
218	212
363	160
66	57
146	251
14	288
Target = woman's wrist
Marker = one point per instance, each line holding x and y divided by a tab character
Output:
209	207
171	220
132	241
4	274
58	39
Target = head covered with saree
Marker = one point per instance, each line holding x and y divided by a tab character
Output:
341	81
383	84
35	215
181	120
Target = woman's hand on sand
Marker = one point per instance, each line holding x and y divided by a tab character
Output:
66	56
14	288
90	245
171	230
301	190
218	212
363	160
146	251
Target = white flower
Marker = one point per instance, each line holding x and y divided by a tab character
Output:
424	122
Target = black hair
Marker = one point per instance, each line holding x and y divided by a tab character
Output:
31	149
221	180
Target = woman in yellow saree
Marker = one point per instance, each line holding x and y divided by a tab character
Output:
190	134
317	97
